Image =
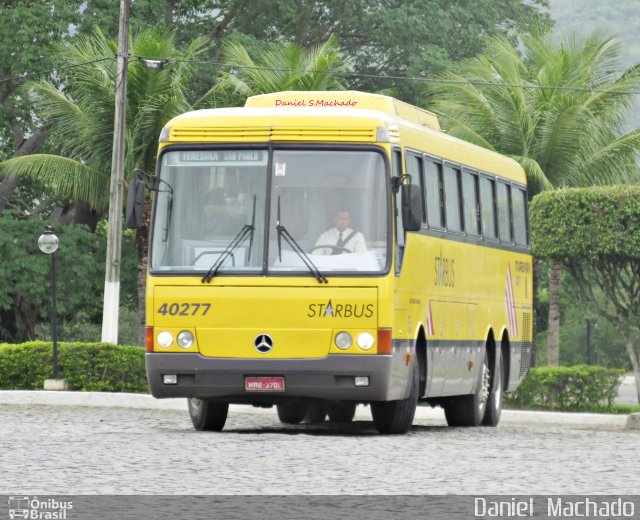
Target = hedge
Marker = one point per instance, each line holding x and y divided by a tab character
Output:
103	367
94	367
574	224
579	388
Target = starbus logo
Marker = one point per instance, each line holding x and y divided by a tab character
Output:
340	310
36	509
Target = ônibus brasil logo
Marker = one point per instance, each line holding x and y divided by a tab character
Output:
38	509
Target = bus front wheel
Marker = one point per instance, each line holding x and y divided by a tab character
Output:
494	404
206	415
316	413
342	411
397	416
292	413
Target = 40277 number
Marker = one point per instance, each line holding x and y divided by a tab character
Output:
184	309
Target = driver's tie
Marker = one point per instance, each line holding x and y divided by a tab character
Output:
338	244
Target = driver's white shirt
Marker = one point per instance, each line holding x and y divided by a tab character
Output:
330	238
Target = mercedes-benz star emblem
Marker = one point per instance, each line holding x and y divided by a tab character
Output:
263	343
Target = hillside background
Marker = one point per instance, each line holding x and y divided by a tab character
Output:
618	17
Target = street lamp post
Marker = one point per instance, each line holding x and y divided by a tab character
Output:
48	243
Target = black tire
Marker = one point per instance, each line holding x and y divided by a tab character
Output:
342	411
206	415
469	410
291	413
494	404
316	413
397	416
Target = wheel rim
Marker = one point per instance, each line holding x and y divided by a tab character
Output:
498	393
486	383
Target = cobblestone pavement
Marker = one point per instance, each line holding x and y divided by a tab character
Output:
72	450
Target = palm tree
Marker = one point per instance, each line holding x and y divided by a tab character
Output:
80	114
555	104
279	67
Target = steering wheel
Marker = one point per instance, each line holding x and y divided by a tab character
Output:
334	249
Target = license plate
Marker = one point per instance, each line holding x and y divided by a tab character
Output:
264	384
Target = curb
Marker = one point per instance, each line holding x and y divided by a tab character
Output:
423	413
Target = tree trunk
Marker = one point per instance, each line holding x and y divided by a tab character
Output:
26	315
23	147
143	258
635	364
169	6
7	187
83	214
553	338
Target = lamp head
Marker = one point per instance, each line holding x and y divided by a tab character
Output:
48	242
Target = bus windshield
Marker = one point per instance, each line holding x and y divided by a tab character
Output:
324	207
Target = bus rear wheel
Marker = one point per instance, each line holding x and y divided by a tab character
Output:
206	415
397	416
469	410
291	413
494	404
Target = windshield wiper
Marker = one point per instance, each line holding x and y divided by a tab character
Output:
282	232
246	231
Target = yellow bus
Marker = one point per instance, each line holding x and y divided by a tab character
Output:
314	251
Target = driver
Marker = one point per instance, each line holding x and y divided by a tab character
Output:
341	238
218	221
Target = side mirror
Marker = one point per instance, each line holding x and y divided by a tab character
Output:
135	203
411	207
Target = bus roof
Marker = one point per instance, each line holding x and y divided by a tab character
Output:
346	99
334	116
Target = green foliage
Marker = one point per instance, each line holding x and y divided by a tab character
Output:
625	409
598	222
86	329
80	116
90	367
570	136
388	39
595	234
279	67
577	388
25	274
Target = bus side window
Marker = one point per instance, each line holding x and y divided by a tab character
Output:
452	199
470	202
487	203
504	212
414	169
433	195
520	216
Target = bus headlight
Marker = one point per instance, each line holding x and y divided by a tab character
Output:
343	340
165	339
365	341
185	339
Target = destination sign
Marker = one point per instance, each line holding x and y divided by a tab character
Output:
222	155
217	157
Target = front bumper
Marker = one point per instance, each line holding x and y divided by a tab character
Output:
330	377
